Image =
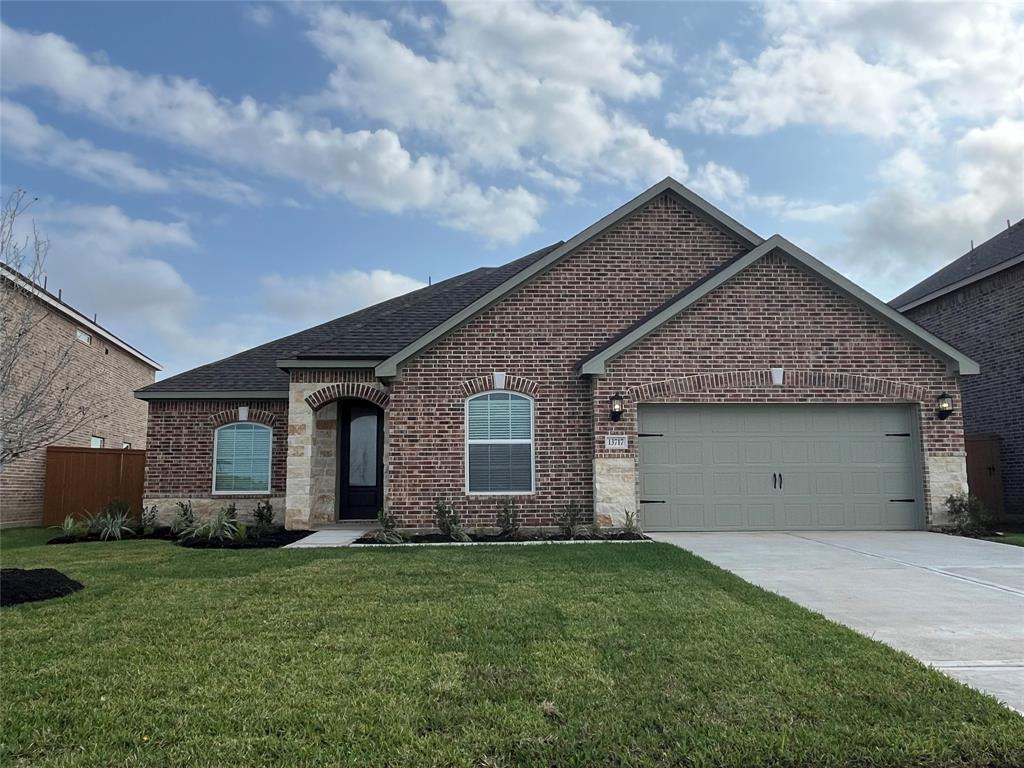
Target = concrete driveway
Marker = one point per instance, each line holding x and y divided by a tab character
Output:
956	604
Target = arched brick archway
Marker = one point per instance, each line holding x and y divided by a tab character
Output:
761	379
230	416
339	390
512	383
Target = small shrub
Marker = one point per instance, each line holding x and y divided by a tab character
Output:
631	523
149	518
117	508
242	532
388	533
185	519
570	520
449	521
263	517
70	528
110	525
508	518
222	524
968	515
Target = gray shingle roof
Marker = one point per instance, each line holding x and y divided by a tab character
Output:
1006	245
371	333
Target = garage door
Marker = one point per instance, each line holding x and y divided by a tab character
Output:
713	468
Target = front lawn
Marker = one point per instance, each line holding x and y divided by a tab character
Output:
571	655
1016	538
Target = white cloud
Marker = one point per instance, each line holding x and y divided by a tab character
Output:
370	168
312	300
42	144
877	69
507	86
260	15
39	143
923	218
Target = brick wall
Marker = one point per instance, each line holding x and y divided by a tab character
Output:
112	375
179	460
540	332
985	320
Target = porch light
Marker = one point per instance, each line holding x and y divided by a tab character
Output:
945	406
617	406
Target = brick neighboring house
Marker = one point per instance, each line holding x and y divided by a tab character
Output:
114	368
666	361
977	303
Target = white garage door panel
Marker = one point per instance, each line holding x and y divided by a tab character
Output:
778	467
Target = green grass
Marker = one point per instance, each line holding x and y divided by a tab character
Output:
1016	538
588	655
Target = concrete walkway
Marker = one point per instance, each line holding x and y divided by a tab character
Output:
335	536
954	603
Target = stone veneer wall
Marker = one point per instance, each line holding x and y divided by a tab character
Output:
986	321
774	314
312	438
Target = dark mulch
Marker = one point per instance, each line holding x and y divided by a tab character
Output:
498	538
18	585
163	533
266	541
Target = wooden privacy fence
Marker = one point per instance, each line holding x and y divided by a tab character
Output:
84	480
984	470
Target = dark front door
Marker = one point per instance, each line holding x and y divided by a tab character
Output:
360	460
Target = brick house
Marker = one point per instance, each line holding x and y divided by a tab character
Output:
112	370
666	361
977	303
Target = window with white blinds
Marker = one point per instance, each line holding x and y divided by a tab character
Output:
241	458
499	443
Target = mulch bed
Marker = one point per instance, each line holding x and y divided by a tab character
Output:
18	585
163	533
497	538
266	541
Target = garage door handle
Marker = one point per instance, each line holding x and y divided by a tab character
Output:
652	501
775	480
780	481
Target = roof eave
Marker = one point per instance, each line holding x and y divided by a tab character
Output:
956	286
239	394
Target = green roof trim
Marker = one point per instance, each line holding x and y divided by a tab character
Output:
389	367
596	364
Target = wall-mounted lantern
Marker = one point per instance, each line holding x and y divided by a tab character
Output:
618	405
944	409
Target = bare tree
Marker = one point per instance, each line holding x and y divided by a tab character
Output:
45	394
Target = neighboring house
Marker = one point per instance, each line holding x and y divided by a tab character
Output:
112	370
666	361
977	303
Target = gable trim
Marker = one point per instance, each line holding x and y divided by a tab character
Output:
389	367
957	362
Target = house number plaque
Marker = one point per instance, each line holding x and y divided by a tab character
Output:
616	442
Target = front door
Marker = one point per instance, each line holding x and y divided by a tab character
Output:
360	460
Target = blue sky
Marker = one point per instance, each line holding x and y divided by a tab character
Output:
213	175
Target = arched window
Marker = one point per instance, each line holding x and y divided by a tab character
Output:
499	443
241	458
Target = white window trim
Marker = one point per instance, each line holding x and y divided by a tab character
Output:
270	463
532	442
